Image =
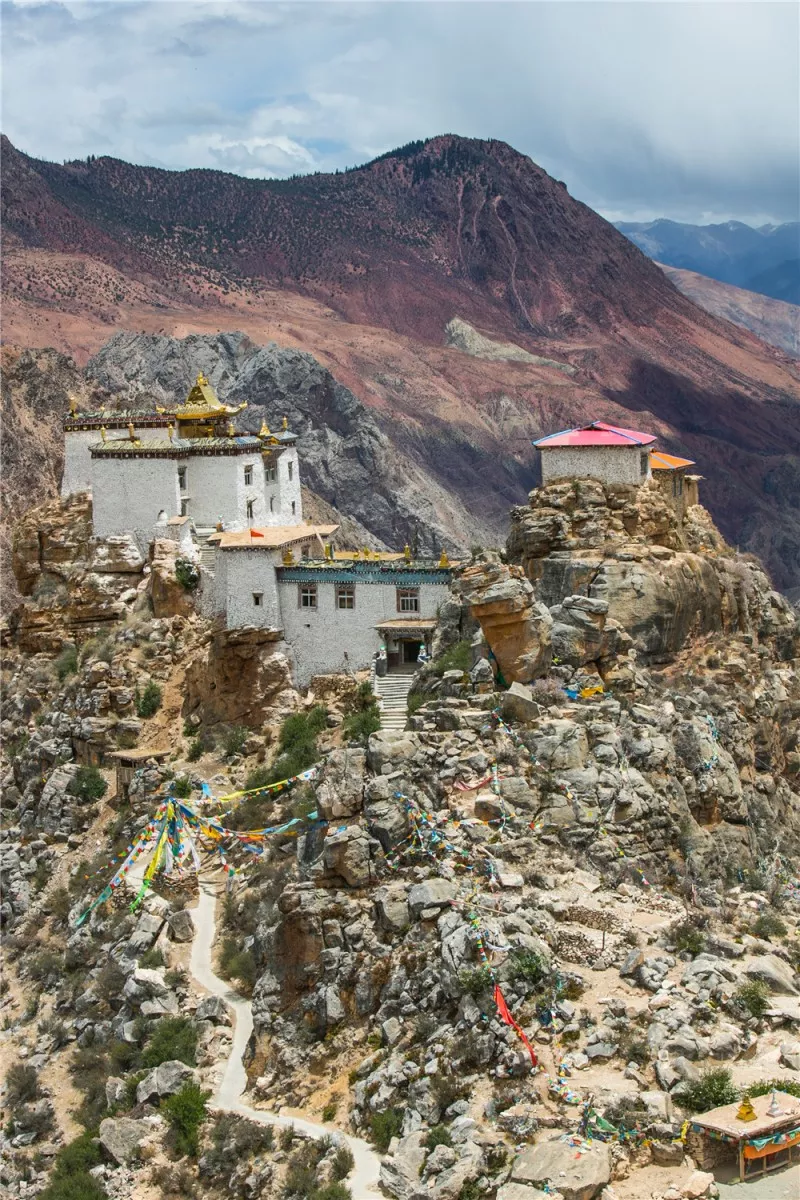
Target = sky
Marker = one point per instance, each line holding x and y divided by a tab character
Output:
644	109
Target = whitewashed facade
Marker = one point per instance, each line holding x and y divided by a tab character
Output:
611	464
83	430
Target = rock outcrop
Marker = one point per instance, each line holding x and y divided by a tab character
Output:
516	626
239	677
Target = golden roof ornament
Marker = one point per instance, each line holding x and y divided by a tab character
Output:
365	551
285	424
265	430
103	434
73	405
231	430
288	557
328	551
444	561
170	431
746	1111
407	552
131	431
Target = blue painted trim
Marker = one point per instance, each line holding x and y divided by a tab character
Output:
363	574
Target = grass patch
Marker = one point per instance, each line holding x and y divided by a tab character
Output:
769	925
70	1179
790	1086
455	658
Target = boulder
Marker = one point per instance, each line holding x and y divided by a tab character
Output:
433	893
347	854
518	703
181	925
774	972
577	1177
240	677
165	1081
400	1174
170	598
340	791
117	555
699	1183
213	1009
121	1137
521	1191
790	1055
391	906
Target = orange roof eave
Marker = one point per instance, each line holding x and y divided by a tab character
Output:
659	461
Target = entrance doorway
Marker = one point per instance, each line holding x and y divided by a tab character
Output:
410	652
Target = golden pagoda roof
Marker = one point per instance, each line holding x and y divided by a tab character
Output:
203	403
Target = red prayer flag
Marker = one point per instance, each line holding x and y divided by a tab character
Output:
506	1017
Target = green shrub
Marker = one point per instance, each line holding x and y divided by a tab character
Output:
527	966
22	1084
70	1179
187	574
790	1086
258	777
475	981
343	1163
358	726
416	701
234	740
331	1191
438	1136
195	750
329	1111
238	963
688	939
87	784
149	702
185	1112
182	787
769	925
172	1038
152	958
384	1126
67	663
753	997
455	658
713	1089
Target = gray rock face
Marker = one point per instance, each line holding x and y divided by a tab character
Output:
165	1081
181	925
577	1178
519	704
400	1174
347	854
774	972
213	1009
434	893
121	1137
340	792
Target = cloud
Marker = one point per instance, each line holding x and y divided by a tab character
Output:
687	110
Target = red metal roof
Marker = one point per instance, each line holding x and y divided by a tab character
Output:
596	434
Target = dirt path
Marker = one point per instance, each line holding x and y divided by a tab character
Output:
363	1180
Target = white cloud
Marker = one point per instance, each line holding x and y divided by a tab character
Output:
657	108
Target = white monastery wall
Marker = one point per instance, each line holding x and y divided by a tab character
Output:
77	475
129	493
612	464
329	639
215	488
283	491
241	573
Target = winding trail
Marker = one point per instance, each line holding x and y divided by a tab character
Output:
363	1179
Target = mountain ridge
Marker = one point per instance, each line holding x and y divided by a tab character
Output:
367	268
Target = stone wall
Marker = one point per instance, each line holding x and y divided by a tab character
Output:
128	494
239	574
611	464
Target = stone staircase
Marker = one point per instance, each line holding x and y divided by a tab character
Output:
208	556
392	692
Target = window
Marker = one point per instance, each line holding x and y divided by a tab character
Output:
250	507
291	470
305	550
307	595
294	509
272	504
270	472
677	484
258	599
184	508
408	600
644	461
345	595
248	476
182	478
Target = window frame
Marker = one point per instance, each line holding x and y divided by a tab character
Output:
294	509
311	590
344	591
182	479
258	599
248	475
407	593
270	472
290	470
250	510
184	506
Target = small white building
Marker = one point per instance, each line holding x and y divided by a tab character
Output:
596	451
335	608
82	430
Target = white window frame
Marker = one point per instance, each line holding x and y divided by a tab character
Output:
408	600
248	476
270	472
345	591
307	596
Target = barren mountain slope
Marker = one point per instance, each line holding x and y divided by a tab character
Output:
366	269
774	321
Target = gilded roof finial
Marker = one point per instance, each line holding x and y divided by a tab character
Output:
201	379
407	552
288	557
131	431
170	431
231	430
285	424
73	405
265	430
365	551
328	551
444	561
103	432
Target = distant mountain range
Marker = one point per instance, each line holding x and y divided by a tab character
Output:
367	269
765	260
